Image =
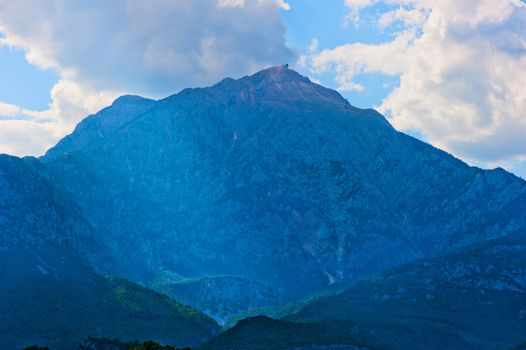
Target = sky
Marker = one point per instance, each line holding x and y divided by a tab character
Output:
449	72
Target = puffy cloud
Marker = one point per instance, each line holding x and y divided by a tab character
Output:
22	137
354	9
358	4
154	48
407	17
26	132
8	110
156	45
462	68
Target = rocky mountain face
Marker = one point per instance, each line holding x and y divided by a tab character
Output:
33	215
273	179
473	298
50	294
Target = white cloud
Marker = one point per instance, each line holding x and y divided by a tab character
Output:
231	3
8	110
283	5
359	4
18	137
412	17
312	50
26	132
462	68
154	48
350	86
354	10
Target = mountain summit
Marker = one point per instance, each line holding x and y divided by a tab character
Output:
275	75
275	182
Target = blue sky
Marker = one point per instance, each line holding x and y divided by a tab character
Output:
22	83
331	29
450	72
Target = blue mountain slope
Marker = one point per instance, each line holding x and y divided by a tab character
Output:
49	292
275	179
472	298
35	216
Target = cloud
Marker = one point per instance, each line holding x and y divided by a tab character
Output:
8	110
241	3
462	68
283	5
231	3
407	17
359	4
351	86
154	48
354	10
18	137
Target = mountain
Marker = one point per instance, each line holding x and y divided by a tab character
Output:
275	180
50	293
253	193
473	298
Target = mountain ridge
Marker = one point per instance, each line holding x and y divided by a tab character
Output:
273	170
274	76
470	298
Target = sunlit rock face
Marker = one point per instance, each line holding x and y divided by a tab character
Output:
274	179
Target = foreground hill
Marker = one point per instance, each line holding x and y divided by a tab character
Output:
275	180
263	333
50	295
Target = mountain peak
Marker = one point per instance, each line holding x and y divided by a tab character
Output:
127	100
279	74
280	86
274	87
268	76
